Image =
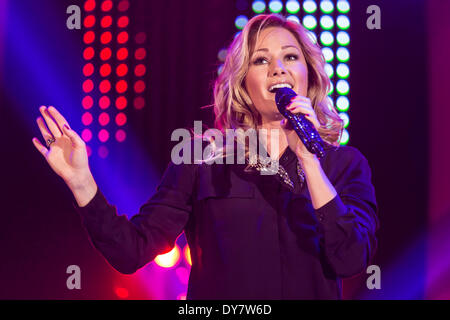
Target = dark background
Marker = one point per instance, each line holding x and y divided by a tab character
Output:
40	232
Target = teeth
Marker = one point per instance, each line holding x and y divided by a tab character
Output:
280	85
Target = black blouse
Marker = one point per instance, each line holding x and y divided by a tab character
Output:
251	236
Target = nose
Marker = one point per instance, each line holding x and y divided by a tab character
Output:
277	68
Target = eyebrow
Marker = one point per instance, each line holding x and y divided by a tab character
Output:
283	47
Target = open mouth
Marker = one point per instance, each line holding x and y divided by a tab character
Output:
279	85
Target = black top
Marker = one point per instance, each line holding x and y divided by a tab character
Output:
250	236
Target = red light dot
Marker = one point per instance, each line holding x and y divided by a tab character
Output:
86	118
103	135
122	293
88	69
122	53
86	135
103	152
120	135
107	5
89	5
88	53
121	86
139	103
105	70
103	119
140	70
123	22
140	53
140	37
121	119
106	22
122	69
139	86
89	37
104	102
106	37
122	37
89	21
87	102
123	5
105	86
121	103
105	54
88	86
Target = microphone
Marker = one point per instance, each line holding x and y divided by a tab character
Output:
302	126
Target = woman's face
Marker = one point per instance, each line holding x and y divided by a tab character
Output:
276	59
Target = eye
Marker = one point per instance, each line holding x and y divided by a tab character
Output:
259	60
292	57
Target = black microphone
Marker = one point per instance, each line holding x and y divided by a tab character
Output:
302	126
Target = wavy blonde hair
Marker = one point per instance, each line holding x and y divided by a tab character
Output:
233	107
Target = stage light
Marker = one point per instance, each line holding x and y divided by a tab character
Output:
123	22
309	22
342	54
169	259
326	22
139	103
106	37
331	88
309	6
326	6
222	54
106	22
103	152
105	70
103	135
342	87
104	102
88	53
122	37
326	38
187	254
121	86
275	6
122	293
140	70
121	70
258	6
328	54
107	5
345	118
140	37
89	21
89	5
312	36
343	38
104	86
103	119
105	53
86	135
88	69
122	54
293	18
139	86
343	6
342	103
87	118
219	69
87	102
120	135
121	119
292	6
121	103
329	70
89	37
345	137
240	22
342	71
123	5
140	54
88	85
343	22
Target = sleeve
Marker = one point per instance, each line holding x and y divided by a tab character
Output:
349	221
129	244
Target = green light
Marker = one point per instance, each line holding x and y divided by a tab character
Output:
329	70
342	104
343	6
331	89
345	118
309	6
342	87
342	71
344	138
342	54
292	6
240	22
309	22
259	6
326	22
326	6
312	36
327	54
343	38
293	18
275	6
343	22
326	38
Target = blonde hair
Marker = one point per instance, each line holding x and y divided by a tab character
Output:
233	107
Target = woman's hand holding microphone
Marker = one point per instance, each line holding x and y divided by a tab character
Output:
66	154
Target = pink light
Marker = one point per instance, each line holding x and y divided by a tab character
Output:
103	135
122	53
88	53
121	135
105	54
107	5
87	102
140	54
106	22
122	293
103	119
121	86
104	86
106	37
88	86
121	103
121	119
121	70
122	37
140	70
86	135
104	102
89	21
123	5
123	22
89	37
139	86
89	5
103	152
139	103
86	118
105	70
88	69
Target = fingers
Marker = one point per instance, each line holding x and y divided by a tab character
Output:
77	142
46	134
51	124
42	149
58	117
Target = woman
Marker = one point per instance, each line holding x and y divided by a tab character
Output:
292	235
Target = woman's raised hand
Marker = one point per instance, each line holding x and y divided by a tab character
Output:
67	156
